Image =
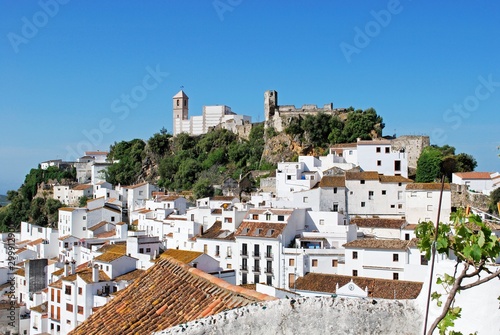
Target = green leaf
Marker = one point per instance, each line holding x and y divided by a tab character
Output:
476	253
480	240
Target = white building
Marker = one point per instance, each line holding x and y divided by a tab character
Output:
422	202
213	116
138	194
481	182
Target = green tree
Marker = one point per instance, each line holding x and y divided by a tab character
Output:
203	188
429	165
494	200
475	248
465	163
159	143
82	201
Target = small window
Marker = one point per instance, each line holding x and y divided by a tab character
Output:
429	207
67	290
423	260
229	266
141	250
361	181
354	255
314	263
69	307
80	291
379	163
268	217
395	257
335	207
407	237
354	273
335	263
291	262
400	206
399	184
350	152
397	165
370	195
384	192
335	190
395	276
362	204
289	177
305	199
322	221
80	309
378	149
387	150
429	194
112	219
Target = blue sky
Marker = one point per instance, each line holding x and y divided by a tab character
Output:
67	68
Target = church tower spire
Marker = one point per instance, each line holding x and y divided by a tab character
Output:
181	109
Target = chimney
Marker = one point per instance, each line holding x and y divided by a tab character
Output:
95	273
66	269
73	267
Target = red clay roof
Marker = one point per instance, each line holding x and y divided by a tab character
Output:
365	175
166	295
260	229
474	175
371	243
394	179
82	187
377	288
332	181
216	232
184	256
378	223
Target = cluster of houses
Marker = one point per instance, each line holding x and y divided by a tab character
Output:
345	220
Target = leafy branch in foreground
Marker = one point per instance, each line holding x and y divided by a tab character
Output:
474	246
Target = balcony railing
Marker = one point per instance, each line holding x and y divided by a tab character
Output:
244	268
244	253
256	269
256	254
269	255
269	271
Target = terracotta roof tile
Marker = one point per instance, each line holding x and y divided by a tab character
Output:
98	225
56	284
117	248
332	181
377	288
35	242
136	185
427	186
167	294
378	223
108	257
371	243
40	308
260	229
394	179
86	276
68	209
106	234
82	187
216	232
183	256
130	276
365	175
474	175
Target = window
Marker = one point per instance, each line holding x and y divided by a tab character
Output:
69	307
395	276
269	280
256	279
112	219
354	255
429	194
255	217
305	199
217	251
205	248
387	150
80	291
400	195
289	177
354	273
229	266
291	262
67	290
423	260
256	250
269	251
397	165
429	207
322	221
362	204
244	280
384	192
314	263
335	263
281	218
335	190
361	181
84	217
407	237
229	252
400	206
378	149
268	217
379	163
395	257
148	249
350	152
370	195
399	184
413	194
244	250
80	309
335	207
177	101
141	250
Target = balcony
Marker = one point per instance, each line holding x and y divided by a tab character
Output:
256	269
244	253
269	255
243	268
269	271
256	254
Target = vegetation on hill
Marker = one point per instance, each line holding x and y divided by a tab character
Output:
3	200
321	129
434	159
24	206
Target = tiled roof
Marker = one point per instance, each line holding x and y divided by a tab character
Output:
377	288
117	248
90	200
21	272
81	187
106	234
56	284
427	186
332	181
40	308
344	145
276	211
216	211
410	226
67	209
135	222
166	295
136	185
97	226
20	250
372	243
365	175
86	276
216	232
474	175
58	272
35	242
374	142
260	229
90	153
222	198
129	276
109	208
378	223
62	238
108	257
167	197
394	179
183	256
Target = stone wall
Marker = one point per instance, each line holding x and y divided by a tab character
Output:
321	315
462	197
413	146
